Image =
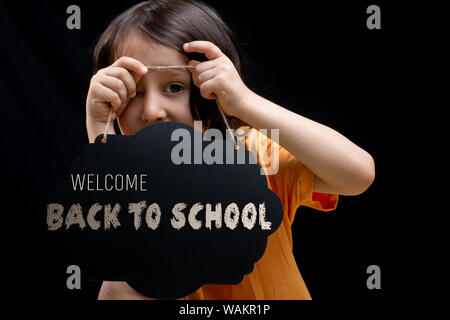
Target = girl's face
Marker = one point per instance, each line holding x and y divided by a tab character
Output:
160	95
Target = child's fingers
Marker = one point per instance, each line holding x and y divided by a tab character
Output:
116	85
207	89
208	48
204	66
200	67
112	97
192	63
137	67
207	75
125	77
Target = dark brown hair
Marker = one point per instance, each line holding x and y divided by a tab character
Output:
173	23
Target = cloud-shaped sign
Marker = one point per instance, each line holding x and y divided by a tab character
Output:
166	210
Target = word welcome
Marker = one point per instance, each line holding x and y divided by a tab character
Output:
230	217
110	182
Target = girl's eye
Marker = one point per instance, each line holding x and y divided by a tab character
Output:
174	88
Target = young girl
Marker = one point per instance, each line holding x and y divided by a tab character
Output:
316	163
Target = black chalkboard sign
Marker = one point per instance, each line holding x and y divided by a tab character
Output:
150	210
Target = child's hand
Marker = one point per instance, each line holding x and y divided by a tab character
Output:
217	78
113	87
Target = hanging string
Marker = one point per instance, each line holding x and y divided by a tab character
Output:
105	137
236	147
167	68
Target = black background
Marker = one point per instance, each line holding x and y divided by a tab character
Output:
317	59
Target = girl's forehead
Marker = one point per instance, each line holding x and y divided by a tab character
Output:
150	52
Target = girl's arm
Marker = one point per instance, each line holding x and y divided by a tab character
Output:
339	166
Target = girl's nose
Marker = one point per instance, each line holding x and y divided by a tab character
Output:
154	110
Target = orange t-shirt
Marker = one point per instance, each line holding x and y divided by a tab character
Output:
276	276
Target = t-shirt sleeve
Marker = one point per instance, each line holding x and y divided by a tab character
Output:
305	196
293	183
297	181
